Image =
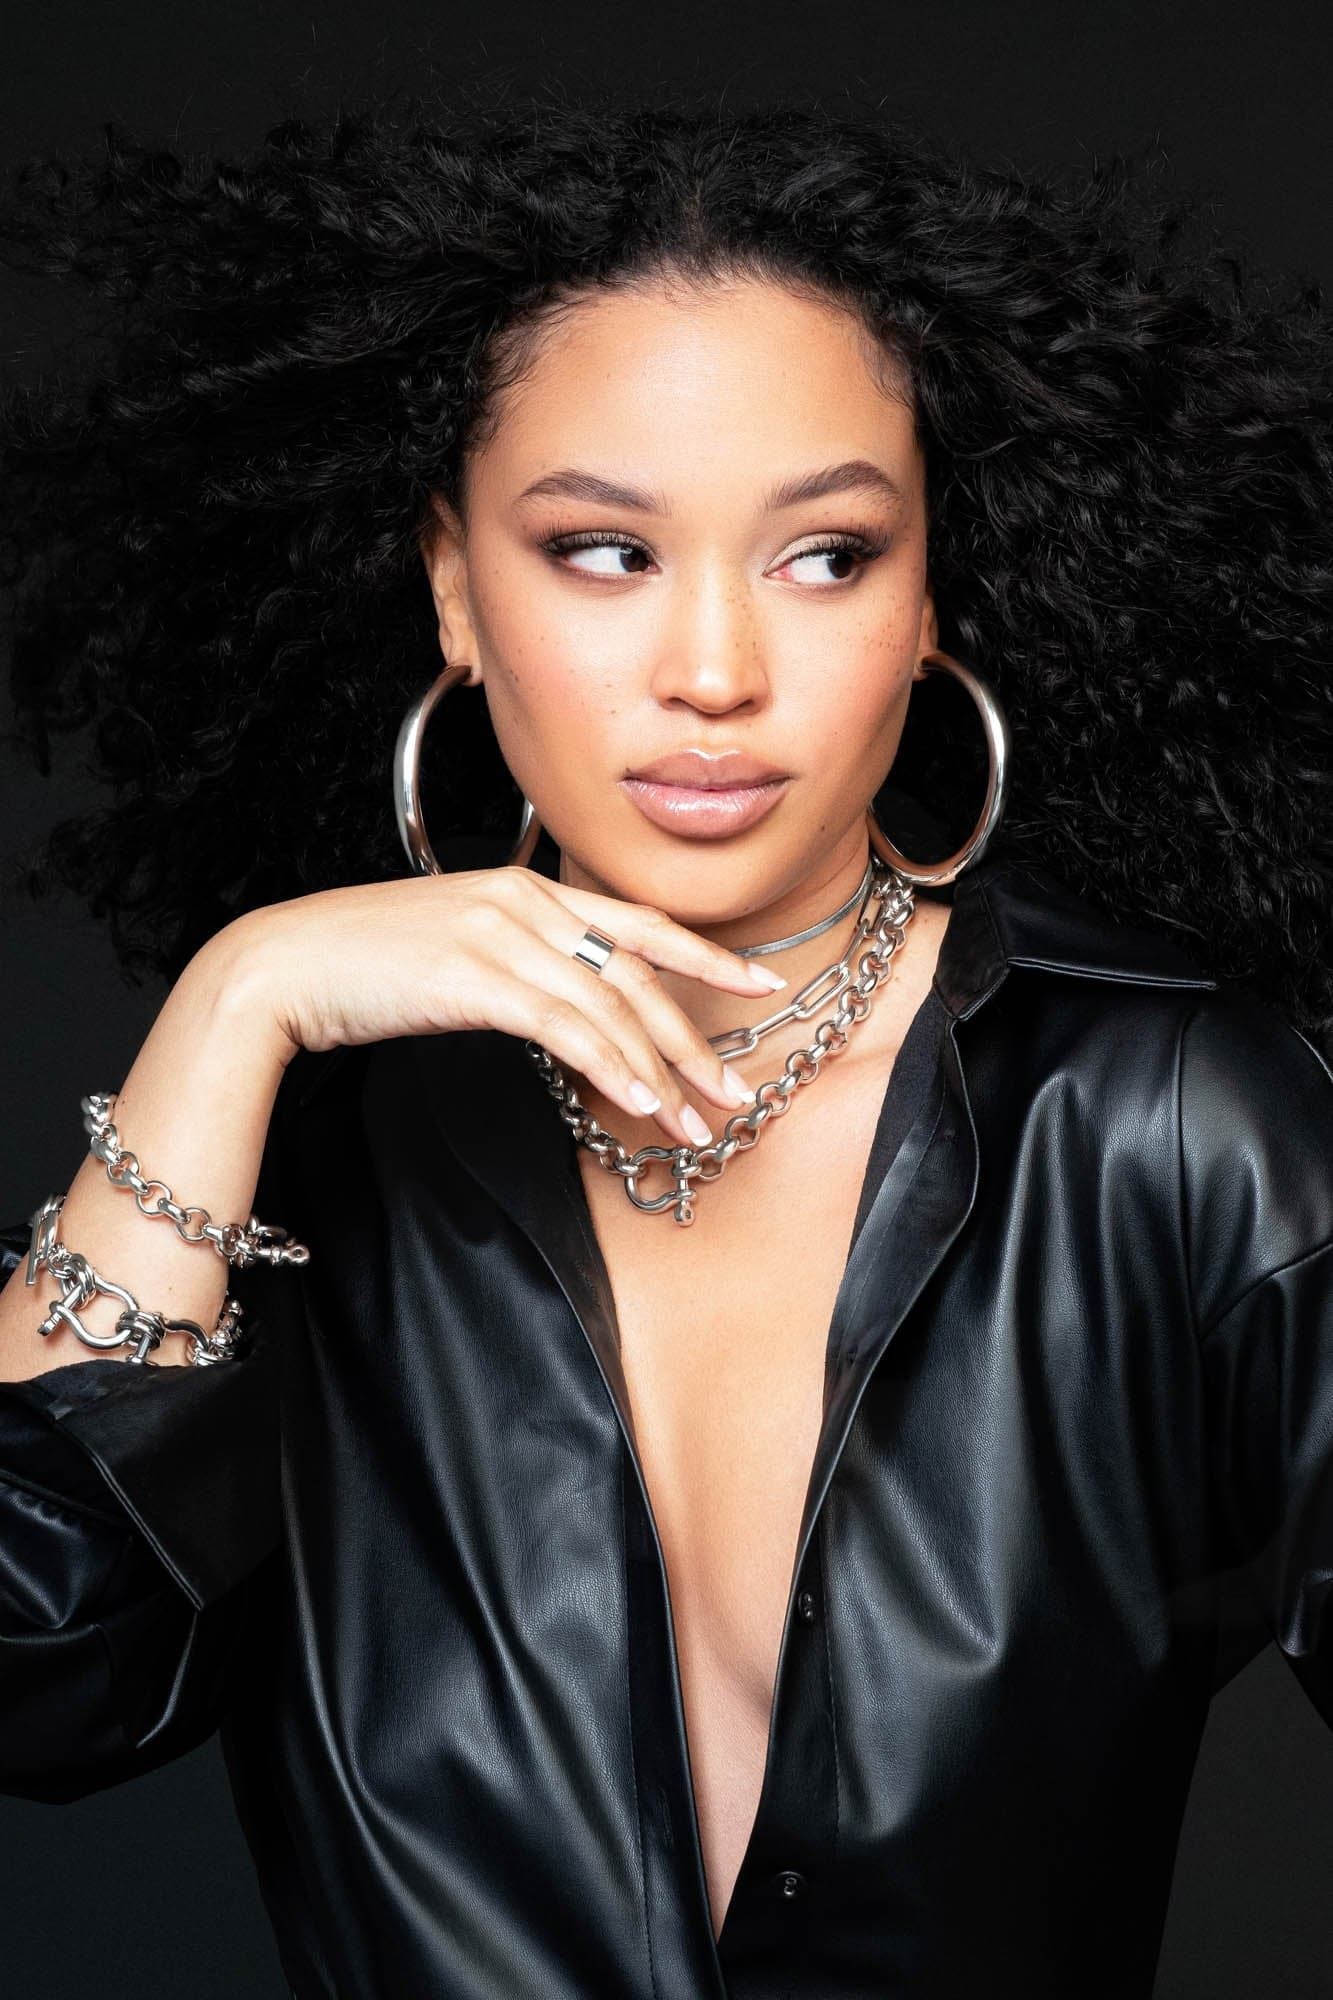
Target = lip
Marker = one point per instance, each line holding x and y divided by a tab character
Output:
704	812
707	770
705	794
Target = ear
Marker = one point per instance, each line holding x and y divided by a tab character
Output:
928	638
443	551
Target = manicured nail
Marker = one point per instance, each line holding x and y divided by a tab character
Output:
695	1126
737	1089
771	982
643	1098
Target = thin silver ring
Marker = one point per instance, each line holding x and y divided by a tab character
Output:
593	949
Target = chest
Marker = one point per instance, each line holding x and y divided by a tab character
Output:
723	1338
723	1335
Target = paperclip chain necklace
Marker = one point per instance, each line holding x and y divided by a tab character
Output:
881	927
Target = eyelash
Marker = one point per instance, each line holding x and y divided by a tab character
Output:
864	547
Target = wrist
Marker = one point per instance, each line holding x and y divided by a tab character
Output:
229	980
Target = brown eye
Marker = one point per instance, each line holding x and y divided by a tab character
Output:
610	547
846	553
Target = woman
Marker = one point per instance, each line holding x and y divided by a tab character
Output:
798	1565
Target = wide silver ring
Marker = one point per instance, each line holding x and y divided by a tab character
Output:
593	949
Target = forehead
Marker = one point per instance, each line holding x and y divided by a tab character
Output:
702	380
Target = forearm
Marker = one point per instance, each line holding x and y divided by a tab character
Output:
195	1109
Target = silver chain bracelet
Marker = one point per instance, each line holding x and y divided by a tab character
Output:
255	1242
136	1329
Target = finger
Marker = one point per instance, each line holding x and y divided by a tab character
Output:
672	1032
661	940
684	1045
543	994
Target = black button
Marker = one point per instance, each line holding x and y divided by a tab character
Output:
790	1884
805	1608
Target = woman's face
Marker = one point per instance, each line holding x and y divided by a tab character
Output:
634	582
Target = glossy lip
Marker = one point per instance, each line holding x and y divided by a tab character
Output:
707	770
704	812
705	794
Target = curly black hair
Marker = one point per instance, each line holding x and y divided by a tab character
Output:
212	518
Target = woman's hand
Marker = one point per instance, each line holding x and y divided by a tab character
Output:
492	948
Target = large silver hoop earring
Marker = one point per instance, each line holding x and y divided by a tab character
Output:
996	725
407	783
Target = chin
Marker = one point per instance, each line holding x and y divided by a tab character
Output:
701	884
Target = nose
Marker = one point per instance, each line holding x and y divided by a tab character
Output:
711	655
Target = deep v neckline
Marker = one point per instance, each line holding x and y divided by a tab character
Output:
907	1092
918	1188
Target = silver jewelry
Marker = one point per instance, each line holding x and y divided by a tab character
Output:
825	989
407	782
934	874
928	874
594	948
136	1329
255	1243
882	925
815	930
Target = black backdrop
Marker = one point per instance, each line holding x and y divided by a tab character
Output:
146	1890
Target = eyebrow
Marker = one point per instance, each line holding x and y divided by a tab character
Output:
851	476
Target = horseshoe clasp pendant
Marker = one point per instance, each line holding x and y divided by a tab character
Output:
683	1163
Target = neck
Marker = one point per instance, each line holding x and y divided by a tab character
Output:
817	895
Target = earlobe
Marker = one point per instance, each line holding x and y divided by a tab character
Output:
456	651
928	638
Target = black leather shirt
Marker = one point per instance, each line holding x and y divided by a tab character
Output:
1076	1466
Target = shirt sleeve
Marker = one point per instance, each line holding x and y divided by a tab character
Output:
1257	1190
139	1528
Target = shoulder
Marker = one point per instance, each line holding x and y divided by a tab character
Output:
1256	1145
1067	960
1121	1043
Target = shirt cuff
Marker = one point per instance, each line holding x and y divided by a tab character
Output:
189	1455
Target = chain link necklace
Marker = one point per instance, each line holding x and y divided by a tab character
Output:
881	926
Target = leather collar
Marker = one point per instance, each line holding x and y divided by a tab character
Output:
1005	915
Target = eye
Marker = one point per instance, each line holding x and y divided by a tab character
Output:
853	551
596	541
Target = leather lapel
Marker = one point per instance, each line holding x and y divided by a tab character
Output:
918	1209
505	1128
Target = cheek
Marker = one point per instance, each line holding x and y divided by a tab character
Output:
847	697
545	694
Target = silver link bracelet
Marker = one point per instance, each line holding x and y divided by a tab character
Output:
136	1329
254	1242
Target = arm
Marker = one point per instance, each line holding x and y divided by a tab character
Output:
139	1506
195	1108
1257	1182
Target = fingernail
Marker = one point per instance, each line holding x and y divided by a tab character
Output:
770	981
643	1098
737	1089
695	1126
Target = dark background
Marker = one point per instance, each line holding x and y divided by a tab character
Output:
146	1890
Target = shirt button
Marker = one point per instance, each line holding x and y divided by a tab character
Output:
790	1884
805	1608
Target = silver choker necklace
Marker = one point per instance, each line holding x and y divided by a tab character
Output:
824	924
881	928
